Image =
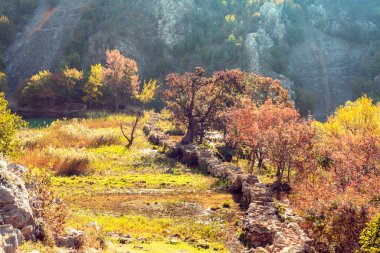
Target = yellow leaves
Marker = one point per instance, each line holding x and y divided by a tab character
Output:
73	73
41	76
148	91
230	18
4	20
97	75
355	118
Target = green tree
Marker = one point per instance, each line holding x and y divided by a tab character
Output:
9	123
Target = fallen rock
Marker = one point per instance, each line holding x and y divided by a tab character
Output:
74	239
10	239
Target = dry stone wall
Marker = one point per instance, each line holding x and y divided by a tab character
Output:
263	229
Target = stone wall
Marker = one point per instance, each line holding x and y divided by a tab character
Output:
263	229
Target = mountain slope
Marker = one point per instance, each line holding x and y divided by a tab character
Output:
318	48
41	43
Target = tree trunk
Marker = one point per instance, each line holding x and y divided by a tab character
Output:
190	135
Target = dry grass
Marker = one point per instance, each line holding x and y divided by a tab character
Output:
65	162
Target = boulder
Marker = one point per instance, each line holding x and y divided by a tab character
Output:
74	239
10	239
15	209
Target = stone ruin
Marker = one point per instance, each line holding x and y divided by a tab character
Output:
264	230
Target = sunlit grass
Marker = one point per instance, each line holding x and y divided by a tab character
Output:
142	226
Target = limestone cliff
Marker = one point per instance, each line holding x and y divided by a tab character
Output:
316	45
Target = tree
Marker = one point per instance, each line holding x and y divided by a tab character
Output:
196	101
351	139
69	84
148	91
339	190
92	88
121	76
277	132
36	91
146	95
260	89
9	123
3	82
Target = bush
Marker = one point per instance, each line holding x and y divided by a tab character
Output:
50	213
9	123
370	236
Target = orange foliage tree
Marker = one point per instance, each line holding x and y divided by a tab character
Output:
196	100
338	194
121	76
276	132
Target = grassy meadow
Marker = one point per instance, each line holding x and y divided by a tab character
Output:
138	192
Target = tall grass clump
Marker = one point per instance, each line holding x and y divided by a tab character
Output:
63	162
69	162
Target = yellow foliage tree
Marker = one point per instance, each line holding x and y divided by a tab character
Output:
148	91
92	88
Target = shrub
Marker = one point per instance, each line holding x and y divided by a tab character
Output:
370	236
49	211
9	123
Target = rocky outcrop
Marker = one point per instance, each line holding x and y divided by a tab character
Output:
14	201
263	229
327	66
16	215
271	28
171	25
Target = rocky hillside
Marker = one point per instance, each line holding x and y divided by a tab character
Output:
321	49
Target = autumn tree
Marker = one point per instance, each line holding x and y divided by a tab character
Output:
276	132
340	192
260	89
351	140
69	84
36	91
93	87
121	76
196	100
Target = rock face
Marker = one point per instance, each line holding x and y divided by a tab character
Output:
263	230
170	15
327	66
271	28
40	45
326	63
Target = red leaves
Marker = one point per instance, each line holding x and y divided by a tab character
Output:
197	101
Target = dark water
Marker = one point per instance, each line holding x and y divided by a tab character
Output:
40	122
